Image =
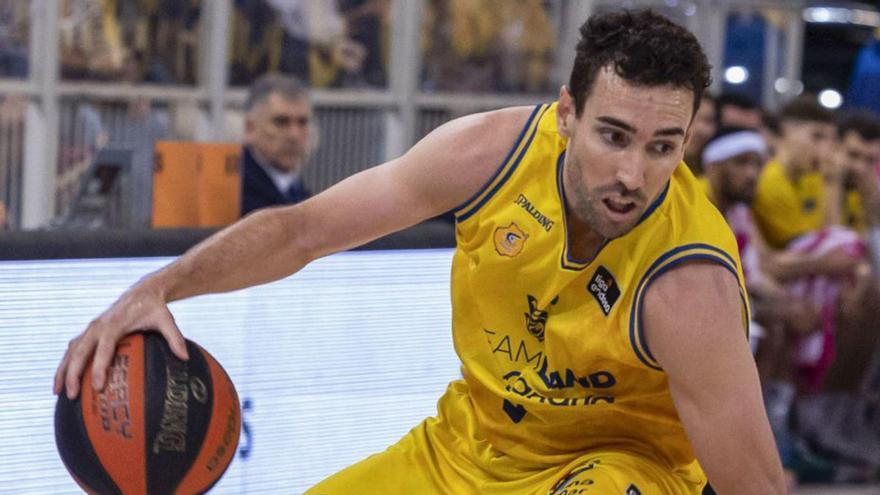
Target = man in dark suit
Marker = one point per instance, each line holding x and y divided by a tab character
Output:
278	123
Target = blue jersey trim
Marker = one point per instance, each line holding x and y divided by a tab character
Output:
636	330
656	204
566	261
462	212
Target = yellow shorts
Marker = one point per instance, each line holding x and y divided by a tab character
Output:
444	455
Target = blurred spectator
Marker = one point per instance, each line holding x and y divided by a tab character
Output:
172	36
3	222
327	43
458	51
483	46
805	300
257	43
527	43
737	110
278	124
820	262
732	160
91	43
853	195
97	37
703	128
366	23
790	195
335	60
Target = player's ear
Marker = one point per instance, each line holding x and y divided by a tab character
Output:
566	113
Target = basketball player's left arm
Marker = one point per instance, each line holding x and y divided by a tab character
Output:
693	325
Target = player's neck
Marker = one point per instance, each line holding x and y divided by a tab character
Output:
583	240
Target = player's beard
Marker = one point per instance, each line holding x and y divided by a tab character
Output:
587	205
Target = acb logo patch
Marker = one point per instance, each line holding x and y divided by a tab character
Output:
509	241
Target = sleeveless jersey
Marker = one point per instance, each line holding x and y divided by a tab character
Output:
552	347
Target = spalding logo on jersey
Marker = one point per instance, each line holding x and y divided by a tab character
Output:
509	241
604	288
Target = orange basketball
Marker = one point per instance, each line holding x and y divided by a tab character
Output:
161	425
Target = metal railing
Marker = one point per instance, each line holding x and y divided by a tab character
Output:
45	147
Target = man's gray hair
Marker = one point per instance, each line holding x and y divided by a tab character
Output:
289	87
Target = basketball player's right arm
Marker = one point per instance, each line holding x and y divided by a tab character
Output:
439	173
693	324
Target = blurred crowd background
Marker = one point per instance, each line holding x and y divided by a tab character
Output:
130	114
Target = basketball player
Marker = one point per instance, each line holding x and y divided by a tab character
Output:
598	301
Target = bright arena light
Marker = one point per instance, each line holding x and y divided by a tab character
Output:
736	74
785	85
817	14
830	98
782	85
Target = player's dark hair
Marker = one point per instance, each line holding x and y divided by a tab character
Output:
642	47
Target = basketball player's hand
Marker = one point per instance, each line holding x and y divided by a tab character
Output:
140	308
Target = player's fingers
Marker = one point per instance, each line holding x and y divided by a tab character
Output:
78	355
168	328
58	386
101	360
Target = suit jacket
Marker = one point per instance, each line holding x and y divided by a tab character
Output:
258	190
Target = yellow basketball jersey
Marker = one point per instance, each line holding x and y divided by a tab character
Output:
552	347
786	209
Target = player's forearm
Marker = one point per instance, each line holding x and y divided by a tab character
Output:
750	474
259	249
737	451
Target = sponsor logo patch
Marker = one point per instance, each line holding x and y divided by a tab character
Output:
604	288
